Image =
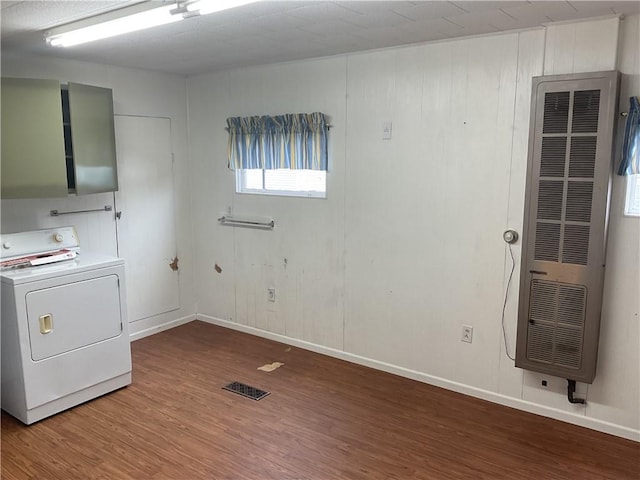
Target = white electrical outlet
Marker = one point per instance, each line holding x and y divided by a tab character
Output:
271	294
386	130
467	333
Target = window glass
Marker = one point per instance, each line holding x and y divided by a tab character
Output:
632	203
297	183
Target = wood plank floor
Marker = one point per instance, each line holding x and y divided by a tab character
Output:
324	419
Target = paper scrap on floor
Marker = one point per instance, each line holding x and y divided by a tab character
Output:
270	367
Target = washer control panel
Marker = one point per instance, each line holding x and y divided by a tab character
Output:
38	241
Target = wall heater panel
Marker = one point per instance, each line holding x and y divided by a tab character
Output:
566	207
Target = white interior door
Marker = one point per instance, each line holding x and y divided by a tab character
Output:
146	228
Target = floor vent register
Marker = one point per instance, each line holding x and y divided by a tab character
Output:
246	390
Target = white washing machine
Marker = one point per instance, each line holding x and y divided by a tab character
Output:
65	336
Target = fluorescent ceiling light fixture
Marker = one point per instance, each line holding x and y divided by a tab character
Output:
203	7
110	27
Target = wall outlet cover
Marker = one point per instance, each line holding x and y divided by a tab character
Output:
386	130
467	333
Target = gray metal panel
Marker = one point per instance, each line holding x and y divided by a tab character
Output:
33	163
93	138
566	213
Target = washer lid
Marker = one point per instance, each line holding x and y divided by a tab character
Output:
82	263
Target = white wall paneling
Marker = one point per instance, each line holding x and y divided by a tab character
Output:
303	257
530	64
619	353
419	212
96	230
407	247
581	47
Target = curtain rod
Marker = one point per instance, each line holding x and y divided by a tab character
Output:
329	127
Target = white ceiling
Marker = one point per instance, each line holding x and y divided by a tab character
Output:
277	31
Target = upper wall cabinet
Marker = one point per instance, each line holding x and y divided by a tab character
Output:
56	140
93	139
33	163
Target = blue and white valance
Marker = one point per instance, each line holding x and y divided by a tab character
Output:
630	162
294	141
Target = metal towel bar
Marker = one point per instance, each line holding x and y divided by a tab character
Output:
56	213
224	220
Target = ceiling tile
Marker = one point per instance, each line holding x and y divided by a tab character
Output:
606	8
627	8
287	37
330	28
323	10
481	6
345	42
541	12
428	10
366	7
275	22
442	27
219	18
273	7
6	4
482	22
40	15
384	18
425	31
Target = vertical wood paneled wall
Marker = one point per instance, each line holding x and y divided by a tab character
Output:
407	246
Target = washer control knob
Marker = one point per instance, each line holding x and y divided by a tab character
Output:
6	245
58	237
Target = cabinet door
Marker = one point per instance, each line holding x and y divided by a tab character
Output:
93	139
33	163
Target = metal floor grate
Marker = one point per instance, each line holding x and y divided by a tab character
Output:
246	390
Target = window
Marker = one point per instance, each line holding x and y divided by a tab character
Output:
282	181
279	155
630	162
632	202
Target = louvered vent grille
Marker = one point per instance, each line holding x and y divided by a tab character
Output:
575	247
556	323
547	242
563	200
556	112
582	160
571	302
544	307
579	196
586	105
554	152
540	343
550	200
568	351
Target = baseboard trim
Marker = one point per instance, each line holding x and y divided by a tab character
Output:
594	424
160	327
